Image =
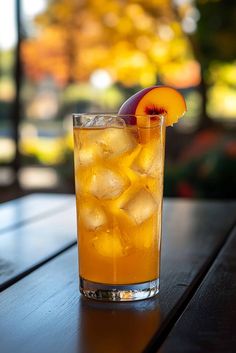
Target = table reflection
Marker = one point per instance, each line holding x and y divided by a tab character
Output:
117	327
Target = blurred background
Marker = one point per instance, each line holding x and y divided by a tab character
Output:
64	56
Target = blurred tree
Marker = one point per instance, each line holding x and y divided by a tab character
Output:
213	39
133	40
137	42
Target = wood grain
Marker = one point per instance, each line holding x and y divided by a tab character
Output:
208	323
25	248
43	312
29	208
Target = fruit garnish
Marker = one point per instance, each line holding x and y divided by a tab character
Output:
155	100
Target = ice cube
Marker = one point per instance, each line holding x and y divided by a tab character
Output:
148	161
108	244
92	216
116	141
90	121
107	184
146	233
141	206
86	155
101	120
156	169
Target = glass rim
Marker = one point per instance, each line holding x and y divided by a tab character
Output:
92	115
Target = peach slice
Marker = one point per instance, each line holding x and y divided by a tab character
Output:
154	101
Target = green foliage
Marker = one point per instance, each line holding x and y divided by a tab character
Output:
216	30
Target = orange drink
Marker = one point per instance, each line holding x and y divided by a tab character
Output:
119	191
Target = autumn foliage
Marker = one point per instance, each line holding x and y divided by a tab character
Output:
135	41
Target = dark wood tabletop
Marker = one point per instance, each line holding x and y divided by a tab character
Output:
41	309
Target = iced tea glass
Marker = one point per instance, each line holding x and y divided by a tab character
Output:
119	189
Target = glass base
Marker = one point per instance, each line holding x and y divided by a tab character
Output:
119	292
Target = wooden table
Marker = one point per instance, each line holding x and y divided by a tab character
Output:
41	309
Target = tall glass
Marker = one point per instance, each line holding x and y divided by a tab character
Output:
119	189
